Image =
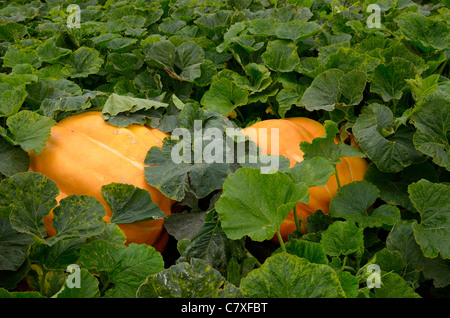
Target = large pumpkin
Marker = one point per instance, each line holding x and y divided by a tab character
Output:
84	153
292	131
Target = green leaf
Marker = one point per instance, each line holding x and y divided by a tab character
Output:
184	280
342	238
326	147
22	56
353	200
421	88
83	62
30	130
77	216
263	26
352	86
13	247
288	276
281	56
315	171
116	104
211	245
175	179
432	202
349	284
223	96
256	204
130	204
297	30
187	57
288	96
323	93
56	257
392	191
401	240
28	197
50	53
11	99
312	251
7	294
429	34
126	266
89	287
394	286
438	270
389	80
12	159
258	78
432	121
347	59
121	44
390	154
400	50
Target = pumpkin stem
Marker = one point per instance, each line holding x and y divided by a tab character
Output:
280	239
296	220
337	178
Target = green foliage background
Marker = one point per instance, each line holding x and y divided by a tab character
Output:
168	63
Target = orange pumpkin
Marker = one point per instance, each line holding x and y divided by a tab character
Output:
84	153
292	131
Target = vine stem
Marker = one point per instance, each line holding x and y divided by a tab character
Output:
258	263
280	239
296	220
337	178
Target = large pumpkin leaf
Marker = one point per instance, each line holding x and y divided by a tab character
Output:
12	159
281	56
432	121
116	104
256	204
429	34
89	288
30	130
432	200
342	238
187	280
334	87
11	99
77	216
315	171
288	276
187	58
223	96
327	148
13	247
390	153
83	62
126	266
174	179
390	80
130	204
26	198
353	200
394	286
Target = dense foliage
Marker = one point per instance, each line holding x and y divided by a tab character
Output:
384	87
